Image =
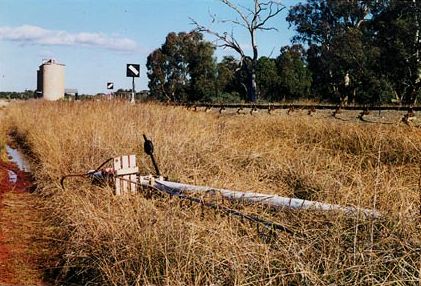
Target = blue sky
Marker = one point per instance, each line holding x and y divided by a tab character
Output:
96	39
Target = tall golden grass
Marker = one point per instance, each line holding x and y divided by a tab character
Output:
134	240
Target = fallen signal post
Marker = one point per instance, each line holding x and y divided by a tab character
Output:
124	183
127	180
126	177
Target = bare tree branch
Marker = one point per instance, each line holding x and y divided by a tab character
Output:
235	22
237	9
273	11
228	40
253	20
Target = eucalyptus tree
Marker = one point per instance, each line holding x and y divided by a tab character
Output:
267	78
338	50
183	68
294	76
230	79
396	30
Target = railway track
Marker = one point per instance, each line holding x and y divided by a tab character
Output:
301	106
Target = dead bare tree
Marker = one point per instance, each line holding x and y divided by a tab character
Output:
253	20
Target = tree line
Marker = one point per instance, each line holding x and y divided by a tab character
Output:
354	51
27	94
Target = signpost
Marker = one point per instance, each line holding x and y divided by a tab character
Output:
110	86
133	70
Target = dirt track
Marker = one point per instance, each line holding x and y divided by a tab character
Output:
20	220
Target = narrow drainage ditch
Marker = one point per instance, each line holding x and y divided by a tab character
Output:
18	171
18	159
15	179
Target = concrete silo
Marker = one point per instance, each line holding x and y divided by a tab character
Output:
50	80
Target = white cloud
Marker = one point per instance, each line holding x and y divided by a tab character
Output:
37	35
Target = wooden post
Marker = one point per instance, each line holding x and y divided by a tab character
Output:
133	176
117	166
126	174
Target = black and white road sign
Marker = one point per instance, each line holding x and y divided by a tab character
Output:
110	85
133	70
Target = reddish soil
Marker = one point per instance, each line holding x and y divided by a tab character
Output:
5	186
23	183
15	208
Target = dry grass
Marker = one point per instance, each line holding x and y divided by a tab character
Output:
21	225
136	241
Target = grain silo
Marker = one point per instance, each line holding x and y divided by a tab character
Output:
50	80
